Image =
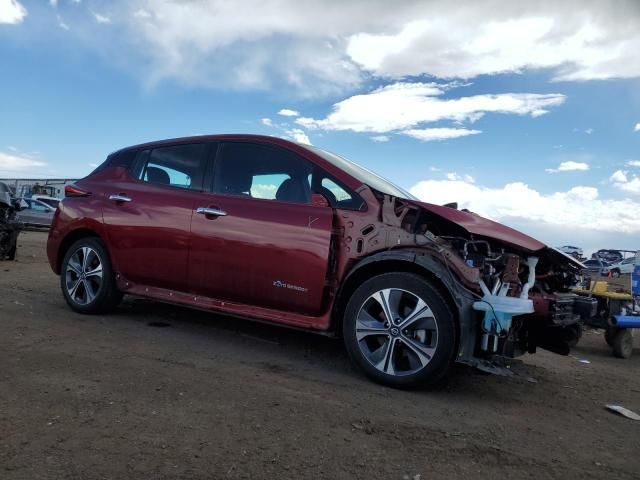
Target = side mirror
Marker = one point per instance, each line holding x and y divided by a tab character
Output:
319	200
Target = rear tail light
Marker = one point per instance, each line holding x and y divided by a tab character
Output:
74	190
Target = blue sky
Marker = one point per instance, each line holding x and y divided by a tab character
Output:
527	114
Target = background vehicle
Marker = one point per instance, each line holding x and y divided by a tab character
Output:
571	250
10	226
625	266
51	201
598	266
609	255
265	228
36	213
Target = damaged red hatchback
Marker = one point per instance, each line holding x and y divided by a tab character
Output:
268	229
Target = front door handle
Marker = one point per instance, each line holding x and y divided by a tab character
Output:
211	211
120	197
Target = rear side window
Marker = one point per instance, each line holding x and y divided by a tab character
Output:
256	171
38	207
179	166
123	158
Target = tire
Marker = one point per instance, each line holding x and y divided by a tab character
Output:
609	333
574	334
416	347
623	343
615	273
86	278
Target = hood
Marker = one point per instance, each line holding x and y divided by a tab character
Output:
484	227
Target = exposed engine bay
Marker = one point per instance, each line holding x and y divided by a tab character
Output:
514	294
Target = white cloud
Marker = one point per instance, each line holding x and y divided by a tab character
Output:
589	131
298	135
534	211
569	166
619	176
62	24
12	12
287	112
101	18
142	13
380	138
581	41
53	3
431	134
267	121
633	163
16	163
314	48
453	176
311	49
625	182
403	106
637	127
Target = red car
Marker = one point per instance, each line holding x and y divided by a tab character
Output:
268	229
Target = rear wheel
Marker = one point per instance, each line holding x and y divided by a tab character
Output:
399	330
615	273
623	343
87	279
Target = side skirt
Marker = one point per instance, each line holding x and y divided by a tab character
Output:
267	315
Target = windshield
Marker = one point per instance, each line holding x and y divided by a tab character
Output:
373	180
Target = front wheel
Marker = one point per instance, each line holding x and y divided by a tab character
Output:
87	279
400	331
615	273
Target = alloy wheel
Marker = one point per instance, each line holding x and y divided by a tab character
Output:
396	332
83	275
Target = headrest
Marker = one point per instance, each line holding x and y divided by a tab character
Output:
158	175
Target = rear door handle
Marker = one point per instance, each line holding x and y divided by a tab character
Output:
120	197
211	211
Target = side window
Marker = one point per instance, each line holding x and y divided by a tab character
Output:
176	166
123	159
266	186
36	207
338	195
338	192
257	171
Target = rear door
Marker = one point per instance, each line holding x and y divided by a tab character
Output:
258	239
148	212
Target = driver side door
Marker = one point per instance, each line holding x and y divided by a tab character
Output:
263	243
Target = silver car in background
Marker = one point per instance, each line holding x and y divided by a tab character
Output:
36	213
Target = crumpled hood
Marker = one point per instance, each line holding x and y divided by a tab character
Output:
478	225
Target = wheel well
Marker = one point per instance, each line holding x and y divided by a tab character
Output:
372	269
69	240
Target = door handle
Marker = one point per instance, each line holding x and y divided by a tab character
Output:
120	197
211	211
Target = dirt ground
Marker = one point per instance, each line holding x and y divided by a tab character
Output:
155	391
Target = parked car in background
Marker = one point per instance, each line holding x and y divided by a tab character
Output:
609	255
264	228
571	250
625	266
597	266
51	201
36	213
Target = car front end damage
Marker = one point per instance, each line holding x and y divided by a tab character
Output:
512	293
